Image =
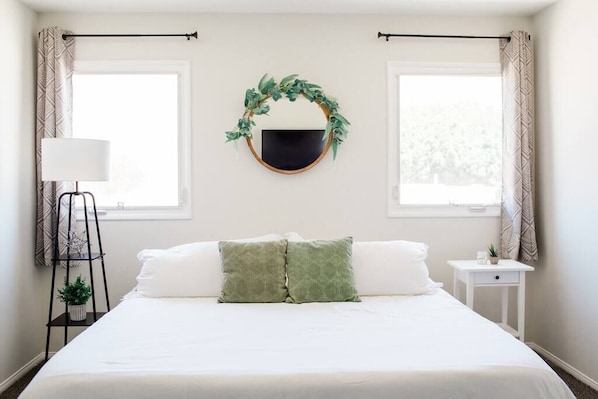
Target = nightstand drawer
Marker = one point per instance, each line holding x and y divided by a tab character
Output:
496	278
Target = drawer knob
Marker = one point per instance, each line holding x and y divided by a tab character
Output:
497	277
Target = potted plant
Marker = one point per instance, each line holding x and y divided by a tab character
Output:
75	295
493	254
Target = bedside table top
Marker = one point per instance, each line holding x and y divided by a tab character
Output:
506	265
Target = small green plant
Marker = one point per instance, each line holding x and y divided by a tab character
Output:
492	251
75	293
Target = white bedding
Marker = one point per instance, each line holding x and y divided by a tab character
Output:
424	346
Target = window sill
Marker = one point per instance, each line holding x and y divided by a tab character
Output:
138	214
444	211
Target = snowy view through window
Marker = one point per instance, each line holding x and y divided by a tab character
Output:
138	114
450	139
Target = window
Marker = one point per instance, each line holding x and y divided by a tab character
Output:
142	108
445	139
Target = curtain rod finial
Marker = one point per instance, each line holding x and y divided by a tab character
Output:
386	35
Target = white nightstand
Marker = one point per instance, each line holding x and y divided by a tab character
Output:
508	273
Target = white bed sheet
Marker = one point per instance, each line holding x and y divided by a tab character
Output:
425	346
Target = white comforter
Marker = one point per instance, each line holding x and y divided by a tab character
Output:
426	346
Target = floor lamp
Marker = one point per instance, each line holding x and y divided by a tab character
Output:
75	160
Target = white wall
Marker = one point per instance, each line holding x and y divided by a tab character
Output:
238	197
21	302
565	319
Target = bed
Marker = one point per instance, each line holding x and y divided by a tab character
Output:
385	346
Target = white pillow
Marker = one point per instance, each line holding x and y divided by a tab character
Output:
189	270
390	267
292	236
148	254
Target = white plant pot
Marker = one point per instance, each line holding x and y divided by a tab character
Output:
78	312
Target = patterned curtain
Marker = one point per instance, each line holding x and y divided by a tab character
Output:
518	231
55	64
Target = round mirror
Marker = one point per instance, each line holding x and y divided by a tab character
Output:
291	138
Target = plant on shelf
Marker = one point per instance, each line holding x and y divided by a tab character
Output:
493	254
75	295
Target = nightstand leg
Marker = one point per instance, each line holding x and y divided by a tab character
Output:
456	286
521	306
469	295
505	306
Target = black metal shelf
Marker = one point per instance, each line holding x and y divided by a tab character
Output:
64	320
73	255
80	257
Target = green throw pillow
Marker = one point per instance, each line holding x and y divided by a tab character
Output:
321	271
253	271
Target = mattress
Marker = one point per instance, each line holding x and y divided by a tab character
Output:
423	346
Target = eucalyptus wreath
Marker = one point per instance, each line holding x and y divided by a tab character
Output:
290	87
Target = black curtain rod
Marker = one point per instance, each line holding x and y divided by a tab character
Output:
389	35
187	35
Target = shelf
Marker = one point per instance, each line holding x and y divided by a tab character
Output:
64	321
77	257
77	253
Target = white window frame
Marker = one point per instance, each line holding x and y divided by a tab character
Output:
394	70
183	70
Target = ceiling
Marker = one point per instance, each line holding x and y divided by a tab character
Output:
429	7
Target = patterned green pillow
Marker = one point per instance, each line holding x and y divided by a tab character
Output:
321	271
253	271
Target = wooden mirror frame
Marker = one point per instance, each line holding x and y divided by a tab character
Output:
293	171
290	87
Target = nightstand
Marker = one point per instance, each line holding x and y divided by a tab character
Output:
507	273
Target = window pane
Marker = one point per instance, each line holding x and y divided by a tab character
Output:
137	113
450	139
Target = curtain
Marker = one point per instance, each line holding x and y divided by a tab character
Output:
518	232
55	64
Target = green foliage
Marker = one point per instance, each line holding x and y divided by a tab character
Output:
253	98
284	83
261	109
75	293
291	87
492	251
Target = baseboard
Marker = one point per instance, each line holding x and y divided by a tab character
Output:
564	365
4	385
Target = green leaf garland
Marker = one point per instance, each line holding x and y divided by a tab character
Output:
290	87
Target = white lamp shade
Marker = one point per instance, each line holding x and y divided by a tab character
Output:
75	159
